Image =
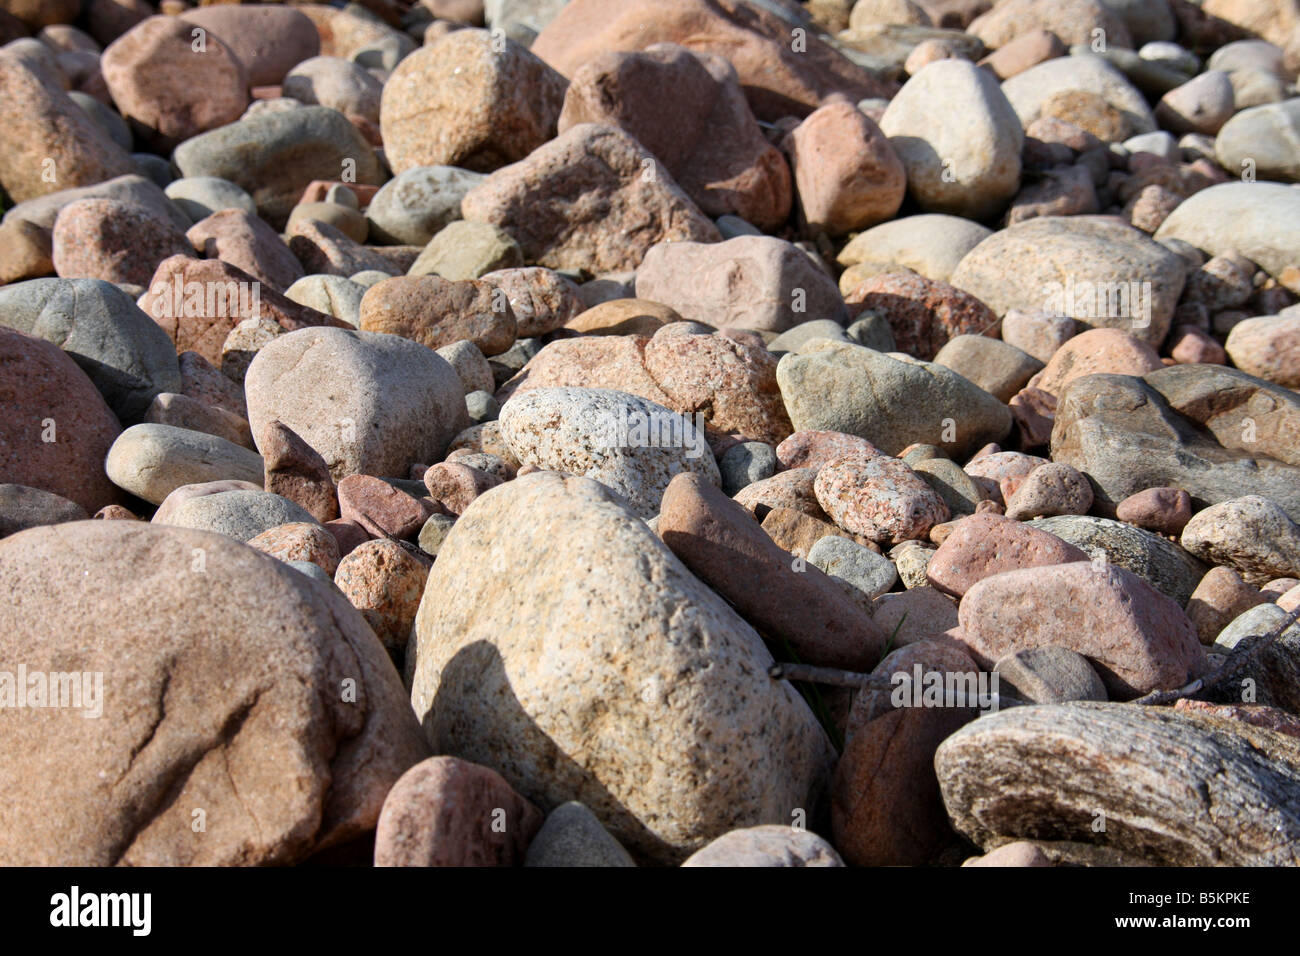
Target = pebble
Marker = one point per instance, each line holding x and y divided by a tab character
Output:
878	497
742	465
1049	674
1162	510
571	835
242	515
986	544
298	542
773	845
1220	598
384	581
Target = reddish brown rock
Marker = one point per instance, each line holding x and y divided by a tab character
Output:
435	312
268	39
1052	489
811	448
384	510
114	241
348	534
923	313
384	581
986	544
1138	639
786	599
323	249
56	429
878	497
26	251
797	532
1028	49
847	175
607	361
780	78
455	486
1257	715
247	243
299	541
115	513
583	201
1096	352
787	489
450	812
296	471
171	408
704	134
1219	598
623	317
1000	473
168	86
1162	510
1189	345
541	299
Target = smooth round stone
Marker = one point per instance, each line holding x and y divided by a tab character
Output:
573	836
412	207
200	196
241	515
1171	55
1050	674
154	168
872	331
1030	90
771	845
857	566
333	295
1258	220
151	461
791	340
1262	139
314	571
111	121
346	220
470	365
1159	143
929	244
482	406
368	277
22	507
743	464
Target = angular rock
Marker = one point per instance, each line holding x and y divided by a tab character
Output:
384	581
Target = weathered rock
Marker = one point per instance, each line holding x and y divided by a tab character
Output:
541	299
930	244
1052	489
1260	221
114	241
855	565
572	836
924	315
1267	347
1072	20
1251	534
1162	510
415	204
435	312
299	541
879	497
1049	675
1261	139
245	241
269	40
384	581
1220	598
1086	74
381	508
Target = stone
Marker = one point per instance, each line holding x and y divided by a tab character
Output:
742	465
198	197
1251	534
706	137
878	497
1267	347
622	636
22	507
1189	345
404	403
26	251
384	581
1137	639
1062	191
115	241
778	80
854	564
1037	333
168	91
1162	510
1201	105
329	295
294	470
1219	599
447	812
911	558
1029	48
970	168
382	509
541	299
435	312
151	461
1099	272
917	614
1072	20
274	156
322	248
1252	623
771	845
181	411
1019	853
924	315
796	532
1049	674
959	491
629	444
572	836
813	448
46	131
930	244
847	175
268	40
983	545
992	364
724	547
301	542
623	316
535	201
1257	220
341	85
1050	490
455	484
891	403
413	206
242	515
786	489
1261	139
1029	91
468	250
460	101
280	651
248	243
471	367
794	339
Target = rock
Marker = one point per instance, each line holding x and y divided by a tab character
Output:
1256	220
971	168
1029	91
572	836
1038	333
436	312
753	282
22	507
621	635
892	404
323	248
57	428
329	295
273	156
1062	191
922	314
959	491
1138	639
1201	105
1029	48
885	801
462	102
722	545
151	461
50	143
534	200
998	368
1259	140
772	845
128	358
627	443
917	614
1101	273
168	90
847	175
280	652
878	497
812	449
1049	770
1020	853
242	515
778	80
1242	630
1220	598
471	367
454	484
200	196
1052	489
787	489
1123	434
403	403
796	532
181	411
115	241
541	299
984	545
246	242
384	581
416	204
1049	675
294	470
1267	347
706	137
383	510
853	564
26	251
1074	21
1162	510
931	244
1189	345
468	250
300	542
742	465
1251	534
268	40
